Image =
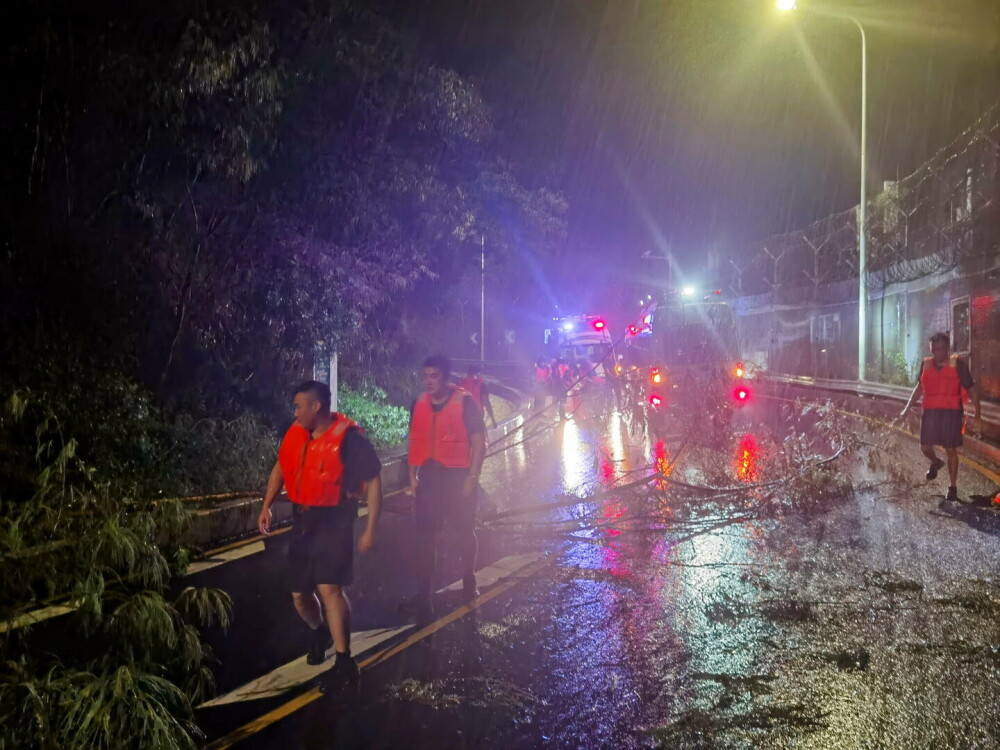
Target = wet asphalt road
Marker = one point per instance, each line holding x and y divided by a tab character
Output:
870	622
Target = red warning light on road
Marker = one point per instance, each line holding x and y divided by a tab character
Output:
632	330
655	400
599	325
741	394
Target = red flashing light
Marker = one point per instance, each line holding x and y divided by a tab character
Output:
599	325
632	330
741	394
655	400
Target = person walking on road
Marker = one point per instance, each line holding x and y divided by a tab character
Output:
476	387
325	462
542	377
447	445
559	383
943	380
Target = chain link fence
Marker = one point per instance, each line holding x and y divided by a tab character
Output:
933	264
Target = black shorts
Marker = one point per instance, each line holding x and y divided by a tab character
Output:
440	500
321	547
942	427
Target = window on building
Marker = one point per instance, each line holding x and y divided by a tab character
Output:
826	328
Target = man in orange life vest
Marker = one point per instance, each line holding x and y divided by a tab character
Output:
942	380
446	451
324	461
476	387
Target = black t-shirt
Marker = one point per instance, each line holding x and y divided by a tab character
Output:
361	462
964	374
472	415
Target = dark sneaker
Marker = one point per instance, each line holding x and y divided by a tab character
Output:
319	641
344	675
936	465
470	590
952	494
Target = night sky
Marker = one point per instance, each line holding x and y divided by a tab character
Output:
712	124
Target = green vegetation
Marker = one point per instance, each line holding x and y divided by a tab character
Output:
208	196
385	424
899	371
127	663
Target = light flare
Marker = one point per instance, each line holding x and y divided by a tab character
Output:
747	457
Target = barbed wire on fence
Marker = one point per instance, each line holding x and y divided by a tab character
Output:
945	214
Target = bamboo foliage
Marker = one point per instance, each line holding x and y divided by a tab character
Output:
124	669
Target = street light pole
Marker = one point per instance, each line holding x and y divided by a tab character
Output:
863	212
790	5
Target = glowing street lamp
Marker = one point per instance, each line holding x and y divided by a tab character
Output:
790	5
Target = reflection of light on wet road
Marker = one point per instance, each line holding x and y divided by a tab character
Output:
708	579
747	456
615	460
576	458
615	437
512	460
519	457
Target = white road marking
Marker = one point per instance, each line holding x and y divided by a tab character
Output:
297	673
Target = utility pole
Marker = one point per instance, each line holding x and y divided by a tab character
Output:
334	362
482	298
326	369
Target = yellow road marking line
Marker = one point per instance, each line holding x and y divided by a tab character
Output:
272	717
296	673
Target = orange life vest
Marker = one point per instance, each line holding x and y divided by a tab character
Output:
442	435
313	469
942	388
474	385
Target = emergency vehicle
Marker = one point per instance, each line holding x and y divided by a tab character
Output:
583	339
683	353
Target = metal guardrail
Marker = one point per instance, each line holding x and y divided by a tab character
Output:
991	411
